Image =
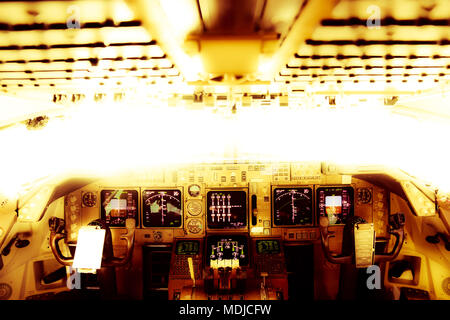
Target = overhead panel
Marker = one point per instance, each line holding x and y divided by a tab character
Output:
78	45
399	45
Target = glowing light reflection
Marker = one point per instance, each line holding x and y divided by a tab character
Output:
104	138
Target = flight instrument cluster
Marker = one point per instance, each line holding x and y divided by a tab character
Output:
284	200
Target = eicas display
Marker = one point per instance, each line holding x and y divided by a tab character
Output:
227	209
161	208
267	246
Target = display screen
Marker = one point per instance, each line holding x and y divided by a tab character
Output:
161	208
227	250
267	246
292	206
118	205
333	204
336	203
188	247
227	209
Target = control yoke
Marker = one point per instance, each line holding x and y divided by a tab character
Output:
396	222
57	233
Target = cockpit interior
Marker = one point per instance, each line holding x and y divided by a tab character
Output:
225	150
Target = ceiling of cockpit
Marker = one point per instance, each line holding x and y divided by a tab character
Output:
320	46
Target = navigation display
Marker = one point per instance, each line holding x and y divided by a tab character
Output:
161	208
118	205
267	247
336	203
227	209
227	251
292	206
187	247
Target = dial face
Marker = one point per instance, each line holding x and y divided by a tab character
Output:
194	190
162	208
194	226
292	206
194	207
364	195
89	199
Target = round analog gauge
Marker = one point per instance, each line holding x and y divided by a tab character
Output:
364	195
194	207
89	199
194	190
5	291
194	225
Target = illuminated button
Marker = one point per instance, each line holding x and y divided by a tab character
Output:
266	231
266	223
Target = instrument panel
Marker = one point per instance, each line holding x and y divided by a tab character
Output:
226	209
240	217
237	199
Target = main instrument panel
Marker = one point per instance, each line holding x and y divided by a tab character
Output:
275	199
229	223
